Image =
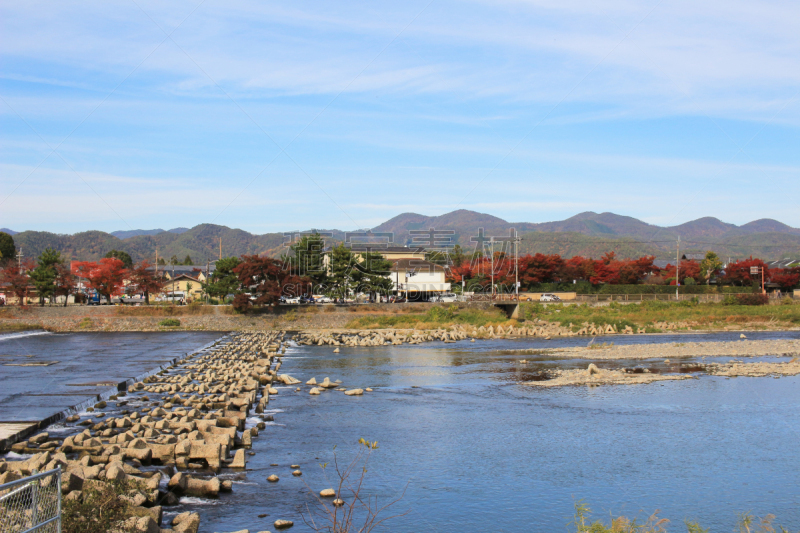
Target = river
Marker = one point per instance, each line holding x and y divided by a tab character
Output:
477	450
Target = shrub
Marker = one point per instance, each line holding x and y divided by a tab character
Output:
654	304
689	281
101	508
729	299
170	322
241	303
440	314
752	299
689	303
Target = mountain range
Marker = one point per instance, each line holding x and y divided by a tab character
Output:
590	234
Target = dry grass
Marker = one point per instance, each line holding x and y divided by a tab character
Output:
435	317
166	310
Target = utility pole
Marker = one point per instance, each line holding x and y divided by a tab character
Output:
678	269
491	241
220	247
516	265
19	269
156	263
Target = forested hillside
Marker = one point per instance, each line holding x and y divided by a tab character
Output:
587	234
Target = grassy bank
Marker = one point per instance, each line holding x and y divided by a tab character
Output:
706	316
13	327
688	314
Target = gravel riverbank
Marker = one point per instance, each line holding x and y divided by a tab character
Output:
666	352
740	348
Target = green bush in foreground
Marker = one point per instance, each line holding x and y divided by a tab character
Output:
170	322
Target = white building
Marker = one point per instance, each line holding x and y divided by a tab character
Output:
416	276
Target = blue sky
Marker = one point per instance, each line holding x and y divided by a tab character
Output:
290	115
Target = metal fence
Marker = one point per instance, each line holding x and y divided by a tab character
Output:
32	504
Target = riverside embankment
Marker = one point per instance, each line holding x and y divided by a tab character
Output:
560	320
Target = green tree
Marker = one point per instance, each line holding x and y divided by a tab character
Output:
710	265
438	257
308	259
44	275
188	261
457	256
162	261
223	280
122	256
174	260
340	274
7	248
371	274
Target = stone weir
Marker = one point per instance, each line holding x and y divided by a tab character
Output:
537	328
186	424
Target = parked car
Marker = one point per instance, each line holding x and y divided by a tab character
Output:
292	300
323	299
96	299
547	297
445	297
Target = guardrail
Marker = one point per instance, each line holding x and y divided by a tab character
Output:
32	504
718	297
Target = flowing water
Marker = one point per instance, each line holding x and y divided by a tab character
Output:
475	449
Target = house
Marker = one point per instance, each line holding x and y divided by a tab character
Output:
411	276
387	252
183	286
200	272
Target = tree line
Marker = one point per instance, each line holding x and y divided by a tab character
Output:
479	271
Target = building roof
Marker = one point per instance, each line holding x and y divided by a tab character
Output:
381	248
693	257
414	265
183	277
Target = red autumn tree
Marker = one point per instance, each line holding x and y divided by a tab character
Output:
142	279
738	272
540	268
105	276
787	278
65	282
688	269
264	278
16	277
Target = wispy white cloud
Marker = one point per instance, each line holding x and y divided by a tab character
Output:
437	109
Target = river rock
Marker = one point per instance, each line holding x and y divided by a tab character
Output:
327	493
283	524
273	478
354	392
